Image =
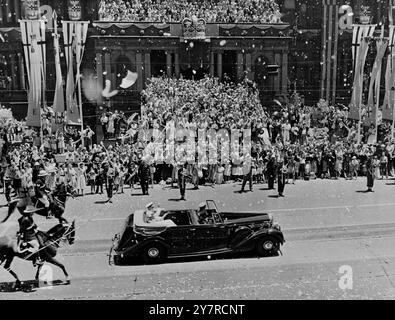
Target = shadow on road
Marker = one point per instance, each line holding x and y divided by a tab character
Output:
273	196
362	191
28	286
101	202
137	262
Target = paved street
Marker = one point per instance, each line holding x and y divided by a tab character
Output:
327	225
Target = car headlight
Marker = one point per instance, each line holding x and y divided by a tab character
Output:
277	226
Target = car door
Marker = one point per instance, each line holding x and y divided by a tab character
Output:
210	237
180	237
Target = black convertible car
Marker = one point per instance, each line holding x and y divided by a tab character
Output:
155	235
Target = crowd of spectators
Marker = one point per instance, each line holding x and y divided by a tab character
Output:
215	11
307	142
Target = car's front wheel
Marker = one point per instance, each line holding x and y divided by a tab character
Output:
153	253
267	246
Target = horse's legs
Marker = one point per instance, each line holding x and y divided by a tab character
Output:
7	266
55	262
37	277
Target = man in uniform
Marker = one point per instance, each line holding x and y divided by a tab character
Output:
281	176
144	175
28	241
182	175
271	171
247	168
41	193
370	173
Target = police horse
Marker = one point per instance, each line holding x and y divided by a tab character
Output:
57	203
50	242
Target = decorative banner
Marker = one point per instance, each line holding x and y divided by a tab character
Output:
194	28
360	31
74	35
389	78
33	39
32	9
356	98
74	9
375	77
58	102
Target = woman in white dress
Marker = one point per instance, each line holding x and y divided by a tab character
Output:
71	176
81	178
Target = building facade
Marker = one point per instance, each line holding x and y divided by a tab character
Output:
228	51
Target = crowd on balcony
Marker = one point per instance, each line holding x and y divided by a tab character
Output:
218	11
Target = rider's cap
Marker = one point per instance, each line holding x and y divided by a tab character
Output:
202	205
30	209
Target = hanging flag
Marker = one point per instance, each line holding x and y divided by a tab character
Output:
58	102
74	35
375	77
33	40
360	31
387	106
356	97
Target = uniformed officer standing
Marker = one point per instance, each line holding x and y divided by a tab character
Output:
247	175
370	173
182	175
144	175
281	176
271	171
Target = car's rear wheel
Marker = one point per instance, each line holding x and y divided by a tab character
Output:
267	246
153	253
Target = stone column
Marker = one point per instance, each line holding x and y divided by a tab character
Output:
147	66
17	7
13	72
240	66
212	64
219	65
169	70
249	65
277	60
139	65
99	68
284	74
21	72
107	66
177	65
8	11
